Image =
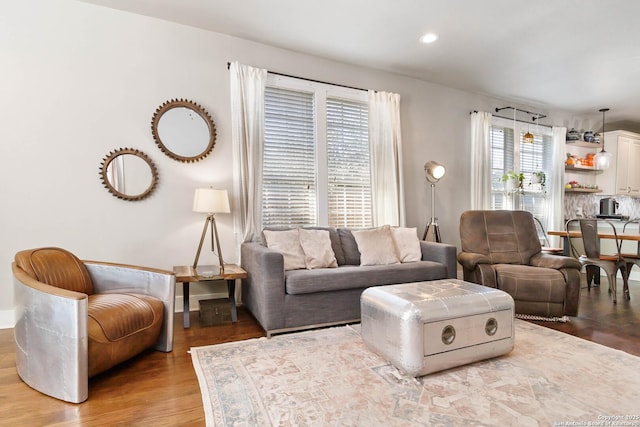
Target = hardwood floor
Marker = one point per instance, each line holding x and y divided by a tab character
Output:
161	389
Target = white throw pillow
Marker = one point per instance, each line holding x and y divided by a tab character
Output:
287	242
376	246
316	246
407	244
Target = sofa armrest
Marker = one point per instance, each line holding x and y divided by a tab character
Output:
263	291
556	262
122	278
51	318
442	253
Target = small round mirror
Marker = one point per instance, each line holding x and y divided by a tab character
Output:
183	130
128	174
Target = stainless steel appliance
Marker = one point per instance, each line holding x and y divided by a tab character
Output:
608	206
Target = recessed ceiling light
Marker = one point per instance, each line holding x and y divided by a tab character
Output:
429	38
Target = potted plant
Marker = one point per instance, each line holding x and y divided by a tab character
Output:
540	178
513	182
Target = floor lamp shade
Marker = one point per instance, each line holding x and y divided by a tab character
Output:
211	202
434	172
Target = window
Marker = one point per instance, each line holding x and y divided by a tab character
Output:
316	155
527	159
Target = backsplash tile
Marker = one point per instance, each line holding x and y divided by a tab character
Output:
590	205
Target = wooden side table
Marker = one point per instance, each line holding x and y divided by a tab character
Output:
187	274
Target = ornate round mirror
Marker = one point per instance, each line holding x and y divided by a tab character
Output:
183	130
128	174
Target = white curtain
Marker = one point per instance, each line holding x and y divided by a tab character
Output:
386	162
555	186
480	160
247	132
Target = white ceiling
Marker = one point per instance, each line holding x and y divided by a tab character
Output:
575	55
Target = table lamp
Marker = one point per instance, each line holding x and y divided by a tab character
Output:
433	171
211	202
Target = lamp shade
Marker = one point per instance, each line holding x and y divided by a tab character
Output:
434	171
210	200
602	160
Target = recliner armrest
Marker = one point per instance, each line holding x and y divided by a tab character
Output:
556	262
470	260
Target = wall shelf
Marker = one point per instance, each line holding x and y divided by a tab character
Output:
584	144
581	169
582	190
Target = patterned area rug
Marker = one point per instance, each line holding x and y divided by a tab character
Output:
329	378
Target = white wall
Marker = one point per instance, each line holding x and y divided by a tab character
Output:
79	81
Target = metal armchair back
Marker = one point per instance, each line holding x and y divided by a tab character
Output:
593	256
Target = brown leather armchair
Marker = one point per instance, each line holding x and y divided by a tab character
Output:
76	319
501	249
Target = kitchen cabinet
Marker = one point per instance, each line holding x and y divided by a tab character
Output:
623	176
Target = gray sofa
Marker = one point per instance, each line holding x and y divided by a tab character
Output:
283	301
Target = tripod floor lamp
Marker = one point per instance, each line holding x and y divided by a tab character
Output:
433	171
211	202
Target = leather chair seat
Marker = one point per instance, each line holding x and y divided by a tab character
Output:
121	326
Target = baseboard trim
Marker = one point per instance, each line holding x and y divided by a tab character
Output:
7	319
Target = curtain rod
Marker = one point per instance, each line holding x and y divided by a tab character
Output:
310	80
511	118
538	116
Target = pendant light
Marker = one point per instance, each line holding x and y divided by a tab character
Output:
603	159
528	137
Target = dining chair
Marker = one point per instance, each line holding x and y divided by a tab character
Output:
631	258
544	239
593	257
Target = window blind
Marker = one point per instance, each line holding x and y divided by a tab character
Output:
348	171
506	154
289	162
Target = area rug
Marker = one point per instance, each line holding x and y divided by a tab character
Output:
330	378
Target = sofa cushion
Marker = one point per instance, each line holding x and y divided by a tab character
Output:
349	247
336	244
407	244
287	242
360	277
316	245
376	246
121	326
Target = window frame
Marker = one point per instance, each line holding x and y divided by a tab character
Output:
321	92
543	134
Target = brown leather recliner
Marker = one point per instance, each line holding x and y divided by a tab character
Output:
76	319
500	249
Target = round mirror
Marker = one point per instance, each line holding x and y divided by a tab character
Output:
183	130
128	174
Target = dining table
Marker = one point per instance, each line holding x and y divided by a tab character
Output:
625	236
632	236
